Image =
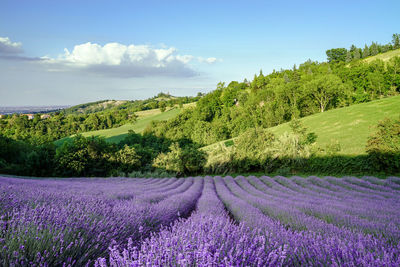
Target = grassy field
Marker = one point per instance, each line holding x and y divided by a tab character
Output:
385	56
144	118
350	126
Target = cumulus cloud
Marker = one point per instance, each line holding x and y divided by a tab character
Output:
112	59
7	47
209	60
116	59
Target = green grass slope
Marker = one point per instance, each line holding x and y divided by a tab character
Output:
117	134
384	56
350	126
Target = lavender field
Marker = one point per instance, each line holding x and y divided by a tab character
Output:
200	221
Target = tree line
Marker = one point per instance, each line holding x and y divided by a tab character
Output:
161	100
356	53
93	156
239	109
269	100
59	125
82	118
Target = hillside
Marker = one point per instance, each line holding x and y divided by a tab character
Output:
92	107
159	101
384	56
117	134
145	117
350	126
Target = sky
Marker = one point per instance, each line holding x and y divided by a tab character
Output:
71	52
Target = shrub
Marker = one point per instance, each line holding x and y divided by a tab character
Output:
383	146
187	160
84	157
126	159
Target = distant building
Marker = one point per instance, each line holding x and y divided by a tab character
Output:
30	116
45	116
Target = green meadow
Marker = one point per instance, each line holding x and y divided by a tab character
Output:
115	135
349	126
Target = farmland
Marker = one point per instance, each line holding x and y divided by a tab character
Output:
203	221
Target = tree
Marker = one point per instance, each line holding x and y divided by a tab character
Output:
348	57
396	40
336	54
376	82
126	159
365	52
162	106
181	160
373	50
324	89
84	157
383	146
357	54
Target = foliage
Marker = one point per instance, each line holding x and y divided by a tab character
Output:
384	145
126	159
94	116
239	109
270	100
181	160
336	54
84	157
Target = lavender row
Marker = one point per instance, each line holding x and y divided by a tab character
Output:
40	227
208	238
371	217
308	247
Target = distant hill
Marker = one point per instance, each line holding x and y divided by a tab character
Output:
159	101
349	126
92	107
145	117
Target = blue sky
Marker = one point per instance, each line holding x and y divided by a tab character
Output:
135	49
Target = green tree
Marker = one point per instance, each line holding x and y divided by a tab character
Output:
365	52
126	159
336	54
373	49
84	157
181	160
163	106
384	145
376	82
396	40
348	57
357	54
324	89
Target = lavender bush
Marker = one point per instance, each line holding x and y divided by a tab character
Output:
200	221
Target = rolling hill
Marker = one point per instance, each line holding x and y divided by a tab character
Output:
350	126
145	117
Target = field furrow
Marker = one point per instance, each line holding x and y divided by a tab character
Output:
200	221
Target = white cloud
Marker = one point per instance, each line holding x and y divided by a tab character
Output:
116	59
8	47
112	59
209	60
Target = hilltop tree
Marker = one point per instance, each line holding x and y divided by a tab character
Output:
365	52
396	40
357	54
373	50
348	57
336	54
